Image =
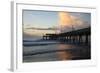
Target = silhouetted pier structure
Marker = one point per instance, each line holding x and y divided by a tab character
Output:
81	36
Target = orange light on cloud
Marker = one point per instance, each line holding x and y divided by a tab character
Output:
65	19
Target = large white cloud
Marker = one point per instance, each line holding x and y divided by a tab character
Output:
67	21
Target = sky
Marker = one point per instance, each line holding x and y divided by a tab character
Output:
40	18
42	22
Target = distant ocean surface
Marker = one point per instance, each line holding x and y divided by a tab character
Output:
37	50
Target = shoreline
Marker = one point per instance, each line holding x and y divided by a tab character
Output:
29	43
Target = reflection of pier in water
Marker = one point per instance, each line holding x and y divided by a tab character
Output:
80	36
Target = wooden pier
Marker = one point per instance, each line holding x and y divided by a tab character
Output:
81	36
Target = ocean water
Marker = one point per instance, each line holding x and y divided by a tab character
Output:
41	51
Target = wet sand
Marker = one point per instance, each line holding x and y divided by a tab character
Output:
56	52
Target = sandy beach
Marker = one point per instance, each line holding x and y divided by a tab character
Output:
54	51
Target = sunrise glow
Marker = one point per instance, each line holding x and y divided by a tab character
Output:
65	19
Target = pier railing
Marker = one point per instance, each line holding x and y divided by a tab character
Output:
80	36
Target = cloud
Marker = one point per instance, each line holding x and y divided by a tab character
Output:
35	28
66	21
38	31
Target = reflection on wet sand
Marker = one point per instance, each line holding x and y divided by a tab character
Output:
63	55
56	52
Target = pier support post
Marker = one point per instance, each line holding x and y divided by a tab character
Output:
80	38
86	39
